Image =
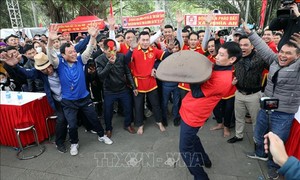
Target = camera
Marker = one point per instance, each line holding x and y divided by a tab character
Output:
269	103
285	11
223	32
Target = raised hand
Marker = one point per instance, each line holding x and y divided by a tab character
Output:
209	18
53	32
179	17
93	29
245	27
162	25
295	38
171	43
111	20
12	59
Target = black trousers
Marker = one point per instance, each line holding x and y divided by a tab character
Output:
61	125
71	108
139	101
224	111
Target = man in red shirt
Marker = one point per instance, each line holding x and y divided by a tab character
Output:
268	38
198	105
142	62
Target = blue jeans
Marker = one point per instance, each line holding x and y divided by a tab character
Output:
280	124
166	91
192	151
125	99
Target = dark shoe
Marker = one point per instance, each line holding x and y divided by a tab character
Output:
108	134
61	149
207	164
234	139
273	174
177	121
254	156
130	129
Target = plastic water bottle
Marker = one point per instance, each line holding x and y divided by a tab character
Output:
8	96
20	97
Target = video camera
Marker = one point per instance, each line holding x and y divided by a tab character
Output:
269	103
285	11
223	32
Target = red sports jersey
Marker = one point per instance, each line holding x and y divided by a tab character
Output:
273	46
195	111
142	63
212	59
124	48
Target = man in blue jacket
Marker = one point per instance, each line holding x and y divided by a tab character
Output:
44	70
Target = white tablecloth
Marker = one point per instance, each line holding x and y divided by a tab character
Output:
27	97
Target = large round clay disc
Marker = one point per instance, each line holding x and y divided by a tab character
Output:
185	66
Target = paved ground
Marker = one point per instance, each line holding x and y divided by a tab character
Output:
150	156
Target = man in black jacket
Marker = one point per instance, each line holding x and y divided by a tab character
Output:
114	72
248	81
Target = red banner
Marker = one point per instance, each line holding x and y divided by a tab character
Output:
222	20
78	27
150	19
263	13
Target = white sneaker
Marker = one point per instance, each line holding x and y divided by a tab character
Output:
105	139
74	149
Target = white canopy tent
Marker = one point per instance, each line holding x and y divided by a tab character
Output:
30	32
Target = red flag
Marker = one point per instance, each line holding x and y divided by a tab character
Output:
263	13
111	9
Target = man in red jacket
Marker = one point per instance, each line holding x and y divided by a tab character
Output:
198	105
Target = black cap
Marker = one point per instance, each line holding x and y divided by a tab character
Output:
239	31
100	37
12	35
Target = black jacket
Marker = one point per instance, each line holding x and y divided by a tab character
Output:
114	76
289	25
248	71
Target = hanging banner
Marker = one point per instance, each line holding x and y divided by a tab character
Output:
221	20
154	18
78	26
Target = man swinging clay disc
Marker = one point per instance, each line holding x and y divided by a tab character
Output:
185	66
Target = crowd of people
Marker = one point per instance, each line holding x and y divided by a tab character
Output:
101	73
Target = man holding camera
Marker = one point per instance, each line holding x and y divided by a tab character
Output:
289	23
283	83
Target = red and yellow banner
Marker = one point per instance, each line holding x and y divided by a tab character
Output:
78	27
222	20
154	18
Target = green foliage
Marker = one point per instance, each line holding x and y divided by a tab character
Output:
64	10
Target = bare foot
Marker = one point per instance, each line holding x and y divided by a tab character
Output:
161	127
217	127
226	132
140	130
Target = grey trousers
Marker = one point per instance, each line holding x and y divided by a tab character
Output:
242	104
